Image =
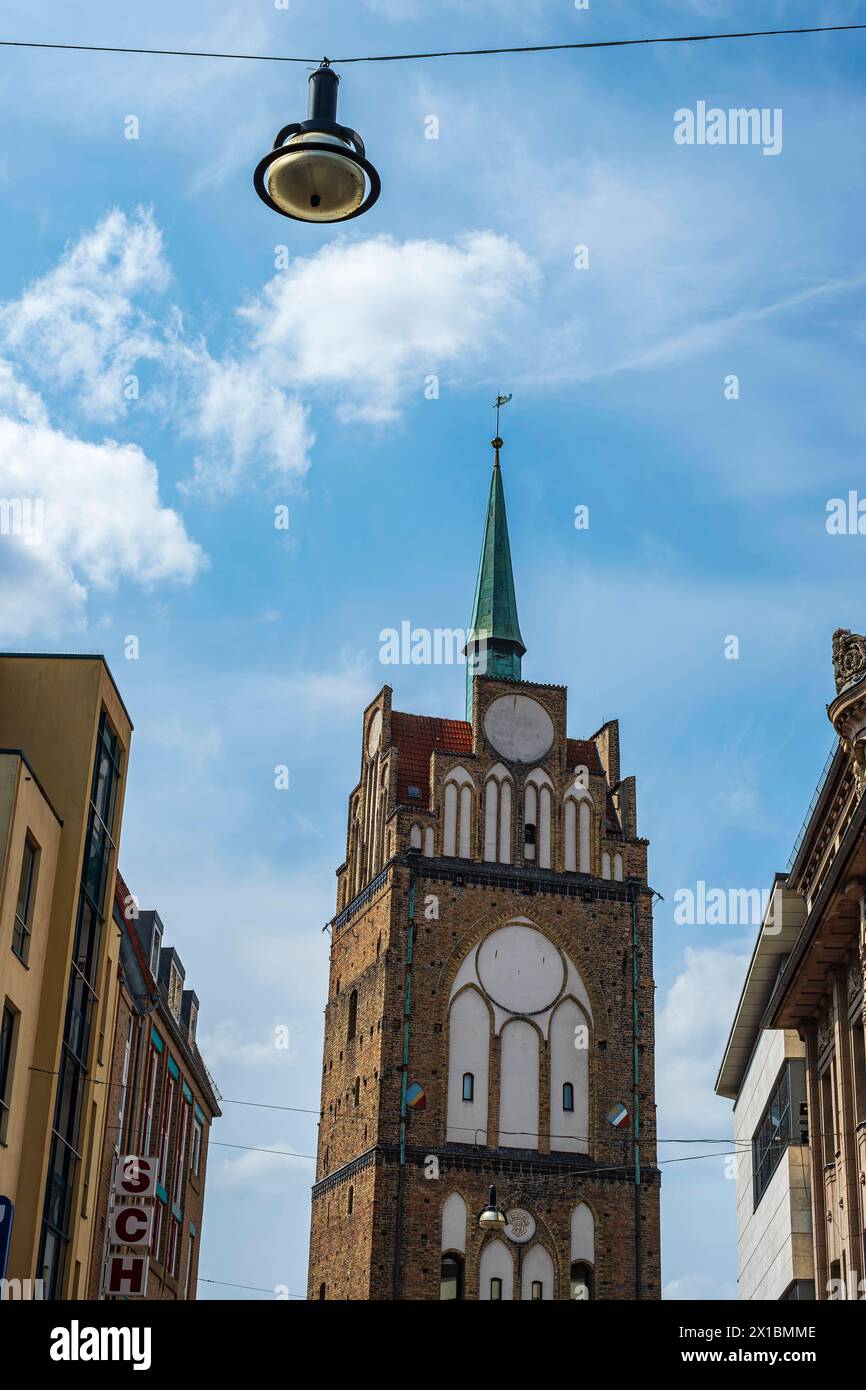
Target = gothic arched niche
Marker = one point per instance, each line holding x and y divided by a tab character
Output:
454	1224
519	1085
518	976
570	1036
496	1279
468	1055
537	1269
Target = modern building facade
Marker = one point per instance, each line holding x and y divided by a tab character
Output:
63	788
814	990
490	1009
763	1073
161	1105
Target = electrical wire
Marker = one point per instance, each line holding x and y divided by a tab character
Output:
445	53
251	1148
138	1090
512	1133
253	1288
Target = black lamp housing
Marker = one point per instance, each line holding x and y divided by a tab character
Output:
316	169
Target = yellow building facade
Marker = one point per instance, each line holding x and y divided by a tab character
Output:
64	751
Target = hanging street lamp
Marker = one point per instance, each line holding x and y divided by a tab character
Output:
318	170
492	1218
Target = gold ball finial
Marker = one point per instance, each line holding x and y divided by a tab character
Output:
497	444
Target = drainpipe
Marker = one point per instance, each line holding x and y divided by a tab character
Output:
635	1090
407	1011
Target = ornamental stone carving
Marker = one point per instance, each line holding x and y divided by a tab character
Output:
847	713
849	657
825	1031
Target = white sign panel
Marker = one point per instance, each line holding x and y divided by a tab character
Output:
130	1225
136	1177
126	1275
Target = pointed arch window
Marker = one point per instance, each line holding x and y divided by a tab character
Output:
459	799
617	867
577	824
497	816
415	837
537	805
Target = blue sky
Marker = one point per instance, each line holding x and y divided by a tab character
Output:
304	386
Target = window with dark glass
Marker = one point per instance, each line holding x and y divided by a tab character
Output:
800	1290
154	951
581	1282
779	1124
353	1016
496	1290
537	1291
197	1132
26	895
568	1096
7	1042
451	1277
81	1008
468	1086
350	1201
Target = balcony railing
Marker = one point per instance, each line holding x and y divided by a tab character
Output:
812	804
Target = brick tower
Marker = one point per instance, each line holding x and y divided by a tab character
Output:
490	1009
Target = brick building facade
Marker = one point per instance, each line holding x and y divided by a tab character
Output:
490	1009
161	1103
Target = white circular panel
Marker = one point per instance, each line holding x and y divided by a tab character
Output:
521	1225
520	970
519	728
374	733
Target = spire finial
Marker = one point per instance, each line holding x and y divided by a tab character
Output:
500	402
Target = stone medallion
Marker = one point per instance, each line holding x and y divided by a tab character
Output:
521	1225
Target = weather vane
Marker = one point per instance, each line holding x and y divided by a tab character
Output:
500	402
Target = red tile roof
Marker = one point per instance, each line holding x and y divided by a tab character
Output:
581	752
416	736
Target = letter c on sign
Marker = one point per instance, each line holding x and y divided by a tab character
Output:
130	1224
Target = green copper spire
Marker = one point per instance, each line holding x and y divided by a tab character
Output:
495	646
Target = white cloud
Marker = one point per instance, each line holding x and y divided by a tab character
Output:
266	1169
101	521
79	326
698	1287
239	417
365	321
692	1027
371	319
227	1044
